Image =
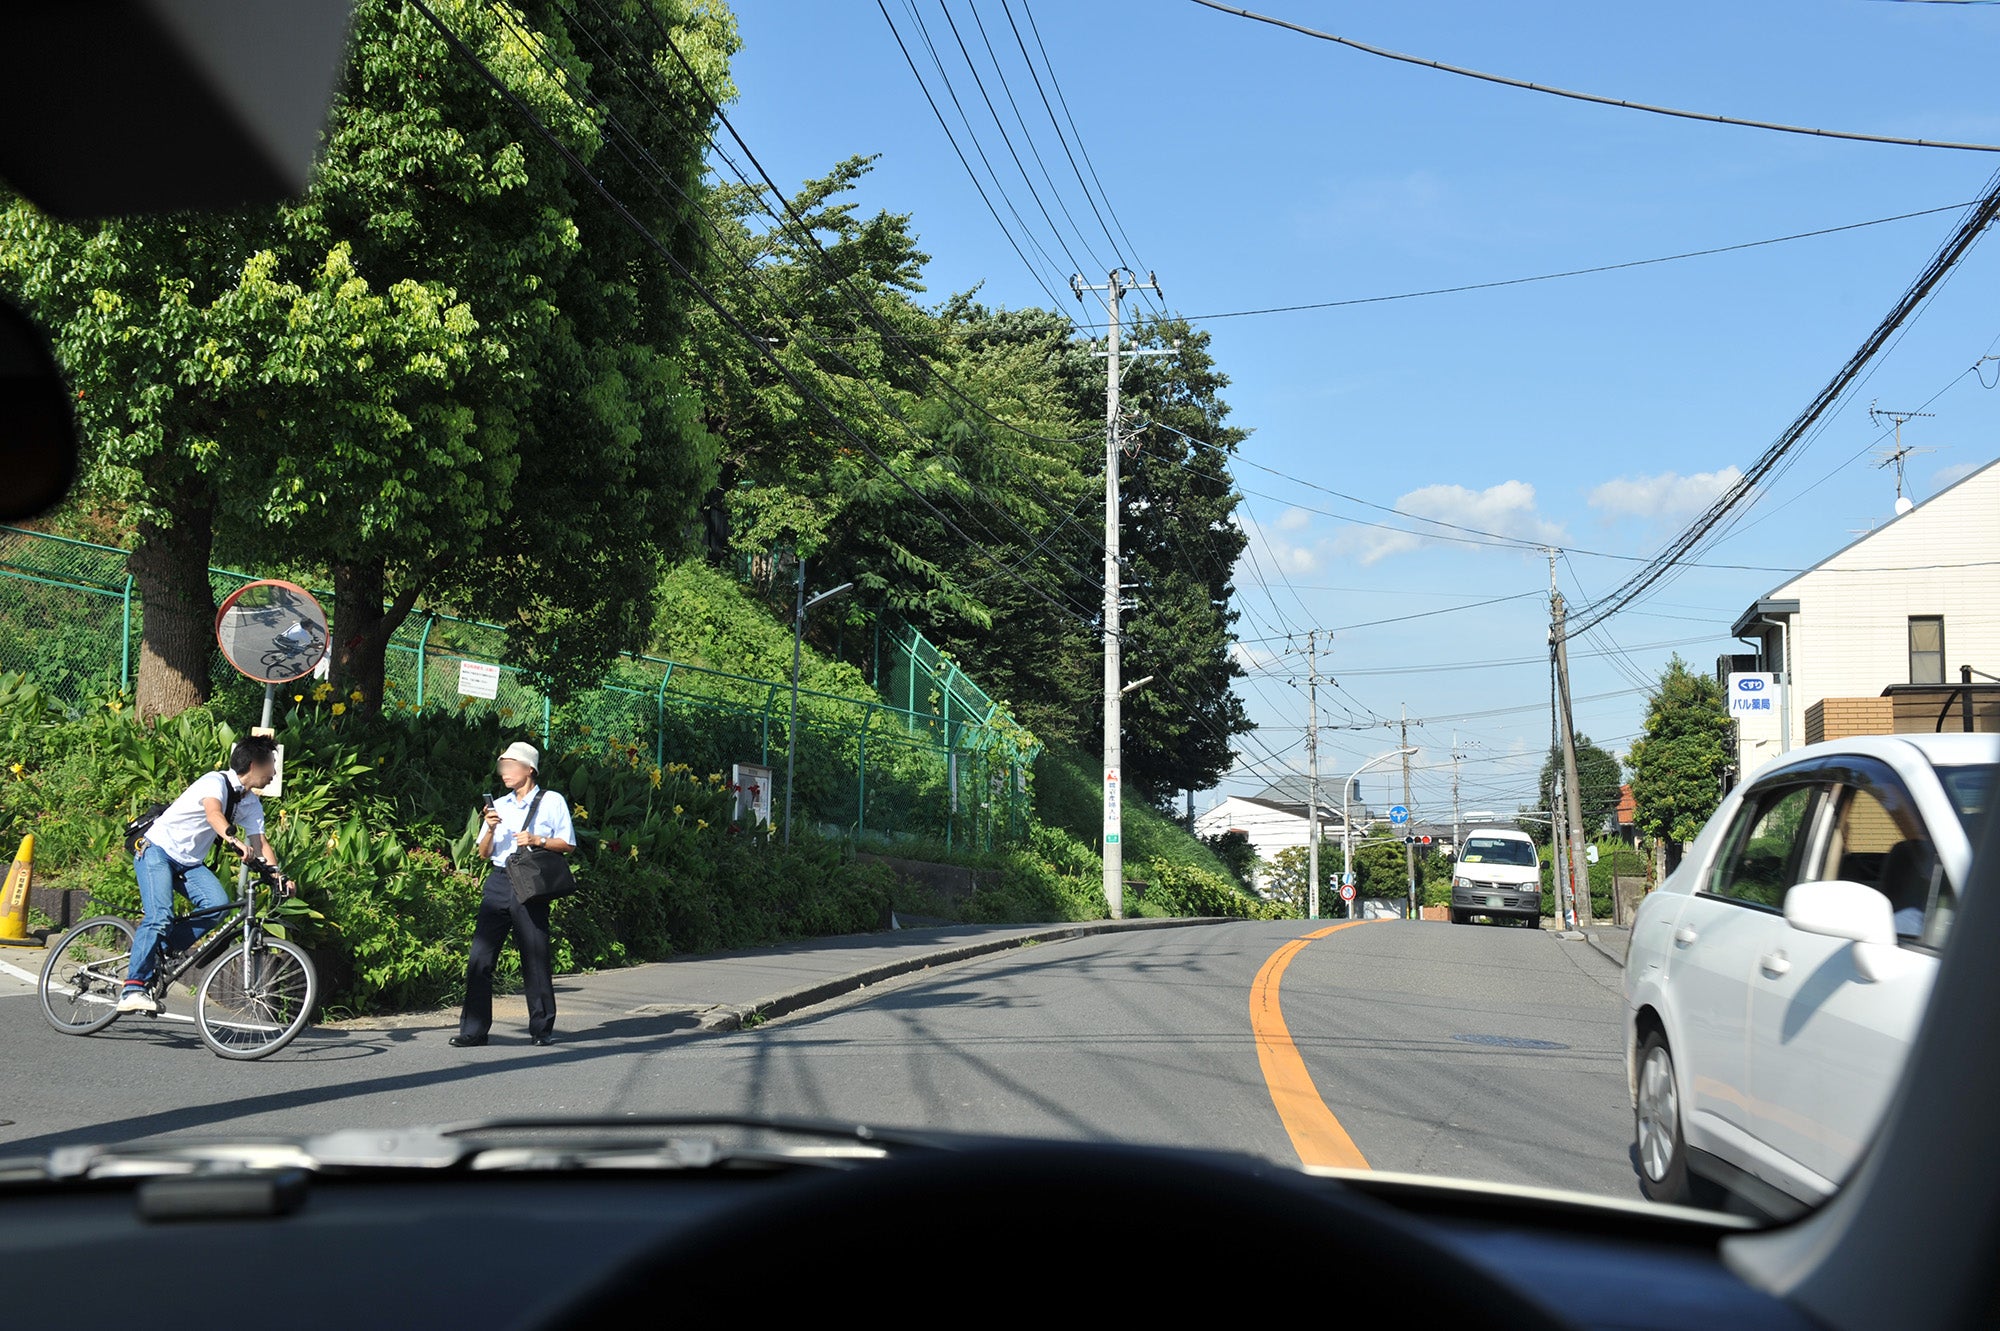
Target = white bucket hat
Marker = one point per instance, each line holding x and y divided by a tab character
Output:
522	752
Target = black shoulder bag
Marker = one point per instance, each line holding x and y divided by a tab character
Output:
536	874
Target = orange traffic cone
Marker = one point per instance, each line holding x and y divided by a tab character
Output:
14	898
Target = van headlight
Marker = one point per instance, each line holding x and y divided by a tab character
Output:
1460	880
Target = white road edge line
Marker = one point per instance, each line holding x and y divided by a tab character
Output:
36	980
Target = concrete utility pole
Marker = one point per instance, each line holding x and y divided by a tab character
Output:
1119	283
1571	805
1456	840
1312	775
1409	851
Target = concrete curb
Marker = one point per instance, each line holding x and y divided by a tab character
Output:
730	1017
1605	948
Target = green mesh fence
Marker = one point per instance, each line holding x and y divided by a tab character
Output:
933	756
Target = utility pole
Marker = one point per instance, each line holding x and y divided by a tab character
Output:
1312	775
1409	851
1455	838
1886	457
1571	806
1118	284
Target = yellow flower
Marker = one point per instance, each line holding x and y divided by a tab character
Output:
17	769
700	823
655	778
582	814
298	697
339	707
388	684
321	691
354	696
117	706
677	808
634	851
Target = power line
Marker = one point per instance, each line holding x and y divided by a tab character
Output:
1940	266
1568	272
1573	95
700	289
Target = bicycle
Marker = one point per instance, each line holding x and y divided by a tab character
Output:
254	1000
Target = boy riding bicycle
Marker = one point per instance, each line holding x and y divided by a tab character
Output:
172	856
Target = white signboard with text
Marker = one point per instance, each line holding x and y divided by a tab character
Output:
1752	693
477	679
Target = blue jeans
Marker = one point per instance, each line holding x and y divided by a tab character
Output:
156	875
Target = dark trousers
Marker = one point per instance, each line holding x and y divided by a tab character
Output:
499	913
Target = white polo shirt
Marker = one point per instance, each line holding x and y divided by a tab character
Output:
551	820
183	831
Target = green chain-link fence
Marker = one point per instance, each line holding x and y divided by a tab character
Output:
933	756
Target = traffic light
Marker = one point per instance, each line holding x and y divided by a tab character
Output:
1414	840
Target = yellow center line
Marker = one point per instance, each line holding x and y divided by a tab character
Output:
1316	1134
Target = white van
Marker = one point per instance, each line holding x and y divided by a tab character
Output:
1498	875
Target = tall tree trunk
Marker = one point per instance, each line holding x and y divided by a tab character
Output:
362	627
169	564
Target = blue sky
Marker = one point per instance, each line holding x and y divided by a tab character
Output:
1253	167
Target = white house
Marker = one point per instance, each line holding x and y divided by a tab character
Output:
1877	635
1274	819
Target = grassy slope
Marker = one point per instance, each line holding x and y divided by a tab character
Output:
1067	796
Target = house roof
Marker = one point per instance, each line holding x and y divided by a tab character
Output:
1757	610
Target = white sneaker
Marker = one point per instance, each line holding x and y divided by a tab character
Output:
138	1000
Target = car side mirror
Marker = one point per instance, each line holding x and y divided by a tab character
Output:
1856	912
1840	909
37	424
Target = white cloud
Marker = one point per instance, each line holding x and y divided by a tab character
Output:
1949	475
1252	657
1274	553
1507	508
1668	496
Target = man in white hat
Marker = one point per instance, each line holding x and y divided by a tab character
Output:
527	815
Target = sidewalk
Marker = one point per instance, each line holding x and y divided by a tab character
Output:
722	991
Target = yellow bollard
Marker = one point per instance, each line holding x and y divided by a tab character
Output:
14	898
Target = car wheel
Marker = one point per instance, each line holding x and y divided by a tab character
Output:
1460	917
1659	1149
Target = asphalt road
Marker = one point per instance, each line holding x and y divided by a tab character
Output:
1477	1052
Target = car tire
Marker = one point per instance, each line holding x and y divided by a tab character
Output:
1460	917
1659	1150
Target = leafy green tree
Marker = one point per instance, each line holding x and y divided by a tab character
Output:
439	375
1287	877
1677	764
1598	779
1380	869
1234	849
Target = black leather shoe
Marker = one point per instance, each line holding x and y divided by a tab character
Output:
543	1040
466	1041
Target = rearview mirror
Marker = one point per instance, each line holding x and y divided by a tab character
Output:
37	426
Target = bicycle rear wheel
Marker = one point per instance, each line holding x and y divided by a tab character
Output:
250	1007
84	976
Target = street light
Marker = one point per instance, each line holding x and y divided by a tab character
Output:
798	640
1346	839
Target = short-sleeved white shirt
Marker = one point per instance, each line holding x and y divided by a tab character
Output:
551	820
183	831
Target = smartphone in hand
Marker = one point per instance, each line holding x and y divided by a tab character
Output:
485	802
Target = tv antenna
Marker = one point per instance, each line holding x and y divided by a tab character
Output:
1898	453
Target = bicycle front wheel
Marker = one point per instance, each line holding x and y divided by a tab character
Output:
251	1006
84	976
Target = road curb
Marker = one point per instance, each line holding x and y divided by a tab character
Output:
1605	948
730	1017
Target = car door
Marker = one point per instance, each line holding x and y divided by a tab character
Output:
1733	918
1826	1043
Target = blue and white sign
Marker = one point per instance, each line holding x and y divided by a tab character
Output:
1752	693
1347	879
1398	814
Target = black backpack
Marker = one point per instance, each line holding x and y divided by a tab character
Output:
135	830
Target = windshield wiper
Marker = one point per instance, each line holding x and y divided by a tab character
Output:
648	1143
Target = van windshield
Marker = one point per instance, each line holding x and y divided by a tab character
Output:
1499	850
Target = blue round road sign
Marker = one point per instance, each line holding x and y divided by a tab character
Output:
1398	814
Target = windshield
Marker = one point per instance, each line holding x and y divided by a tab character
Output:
1499	850
830	562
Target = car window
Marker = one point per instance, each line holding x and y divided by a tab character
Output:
1763	855
1879	841
1499	850
1971	791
